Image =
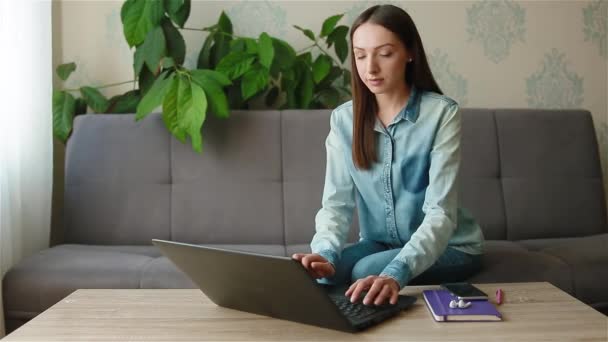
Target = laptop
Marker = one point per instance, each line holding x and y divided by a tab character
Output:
274	286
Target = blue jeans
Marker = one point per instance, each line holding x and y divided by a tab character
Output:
366	258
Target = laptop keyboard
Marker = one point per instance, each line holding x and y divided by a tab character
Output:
356	310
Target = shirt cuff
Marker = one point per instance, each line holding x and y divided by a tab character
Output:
330	255
399	271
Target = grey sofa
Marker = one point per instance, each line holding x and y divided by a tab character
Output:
531	178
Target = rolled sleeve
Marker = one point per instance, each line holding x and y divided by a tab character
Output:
332	222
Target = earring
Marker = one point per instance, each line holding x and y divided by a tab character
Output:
409	60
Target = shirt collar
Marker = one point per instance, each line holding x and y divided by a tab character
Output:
412	109
410	112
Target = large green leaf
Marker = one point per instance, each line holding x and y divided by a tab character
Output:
308	33
212	75
178	10
170	117
145	80
80	106
125	103
95	99
63	114
338	37
172	6
339	32
154	97
204	57
196	117
64	70
224	23
235	98
266	50
138	60
254	81
168	62
153	48
306	58
289	87
342	49
191	105
329	24
235	64
184	110
321	68
139	17
176	46
329	97
285	55
212	82
244	45
305	88
220	48
333	75
222	39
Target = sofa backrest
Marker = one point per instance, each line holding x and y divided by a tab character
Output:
524	174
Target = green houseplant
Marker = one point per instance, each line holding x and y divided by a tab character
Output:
231	72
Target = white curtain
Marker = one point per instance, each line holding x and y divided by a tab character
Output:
25	131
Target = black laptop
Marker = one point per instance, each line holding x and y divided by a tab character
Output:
273	286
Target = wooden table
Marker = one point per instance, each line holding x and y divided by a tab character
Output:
531	312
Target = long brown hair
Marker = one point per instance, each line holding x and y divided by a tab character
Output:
417	73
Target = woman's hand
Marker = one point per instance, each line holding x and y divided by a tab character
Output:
379	289
316	265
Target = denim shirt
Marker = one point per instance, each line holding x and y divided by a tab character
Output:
408	199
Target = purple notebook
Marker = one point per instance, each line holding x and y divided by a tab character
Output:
438	302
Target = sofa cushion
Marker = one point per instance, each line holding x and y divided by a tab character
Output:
551	174
480	190
303	160
232	192
507	261
116	170
48	276
587	258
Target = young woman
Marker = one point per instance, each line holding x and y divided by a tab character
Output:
394	150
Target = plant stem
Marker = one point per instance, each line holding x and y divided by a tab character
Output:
208	30
193	29
102	86
304	49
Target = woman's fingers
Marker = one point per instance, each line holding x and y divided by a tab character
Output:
298	256
360	286
394	296
374	290
379	290
384	295
350	289
322	269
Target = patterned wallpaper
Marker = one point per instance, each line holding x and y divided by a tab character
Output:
522	54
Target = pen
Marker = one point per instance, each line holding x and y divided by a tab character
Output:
499	296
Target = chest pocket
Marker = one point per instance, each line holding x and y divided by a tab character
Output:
415	172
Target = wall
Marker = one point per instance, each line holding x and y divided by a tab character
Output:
539	54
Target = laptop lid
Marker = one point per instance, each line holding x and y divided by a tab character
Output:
273	286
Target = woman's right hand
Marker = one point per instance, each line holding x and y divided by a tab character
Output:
316	265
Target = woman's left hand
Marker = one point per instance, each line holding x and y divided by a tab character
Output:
379	289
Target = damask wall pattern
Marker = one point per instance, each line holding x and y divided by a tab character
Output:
554	85
498	53
496	26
